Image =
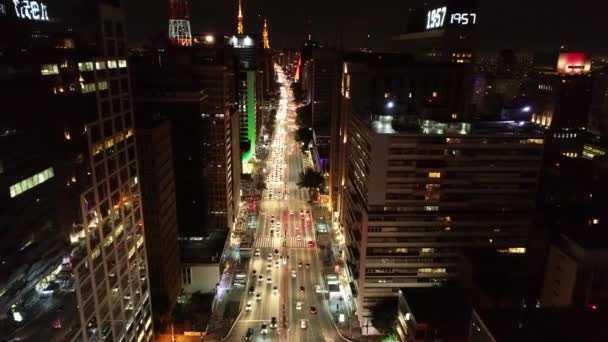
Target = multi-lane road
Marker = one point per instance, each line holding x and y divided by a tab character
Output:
286	272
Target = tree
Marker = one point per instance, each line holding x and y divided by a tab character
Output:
304	115
311	179
384	315
303	135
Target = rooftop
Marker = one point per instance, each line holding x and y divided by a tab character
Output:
451	320
388	124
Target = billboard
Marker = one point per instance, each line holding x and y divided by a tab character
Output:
573	63
437	15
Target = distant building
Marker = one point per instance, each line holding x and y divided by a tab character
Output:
201	269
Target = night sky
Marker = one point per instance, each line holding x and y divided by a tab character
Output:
520	24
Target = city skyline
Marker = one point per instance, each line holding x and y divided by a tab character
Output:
521	25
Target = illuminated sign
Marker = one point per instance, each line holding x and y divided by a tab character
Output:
436	18
30	10
573	63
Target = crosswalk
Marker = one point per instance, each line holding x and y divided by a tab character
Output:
275	242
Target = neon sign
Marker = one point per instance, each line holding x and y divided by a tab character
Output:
31	10
435	18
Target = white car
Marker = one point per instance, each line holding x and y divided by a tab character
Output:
293	273
257	252
303	324
318	288
268	280
299	306
258	296
248	306
275	290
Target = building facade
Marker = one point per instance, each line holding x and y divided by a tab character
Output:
155	152
76	73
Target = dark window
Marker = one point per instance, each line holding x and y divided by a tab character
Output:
108	28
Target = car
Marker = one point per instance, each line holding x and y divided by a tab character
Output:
254	272
308	211
249	334
276	252
307	266
264	329
311	244
269	258
271	232
260	278
269	266
299	306
300	264
313	310
299	237
248	306
251	290
257	252
275	290
296	227
318	288
293	273
303	324
276	264
291	213
273	323
258	296
268	280
302	289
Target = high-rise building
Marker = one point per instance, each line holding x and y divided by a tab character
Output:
415	191
180	33
265	36
155	153
245	93
396	83
239	27
76	266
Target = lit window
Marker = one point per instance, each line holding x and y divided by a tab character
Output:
101	65
434	174
122	63
431	270
386	95
85	66
49	69
454	115
88	88
31	182
102	85
112	64
431	208
434	94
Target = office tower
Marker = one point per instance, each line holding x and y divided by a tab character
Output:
321	86
417	191
76	167
440	31
213	70
182	104
245	93
154	150
379	81
193	88
179	23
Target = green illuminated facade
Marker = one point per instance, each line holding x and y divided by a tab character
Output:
249	117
